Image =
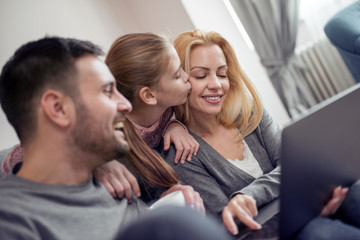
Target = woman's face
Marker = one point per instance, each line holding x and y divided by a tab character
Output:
174	86
208	78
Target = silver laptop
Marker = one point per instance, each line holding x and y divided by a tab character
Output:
320	151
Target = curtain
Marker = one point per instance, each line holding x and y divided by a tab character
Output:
272	26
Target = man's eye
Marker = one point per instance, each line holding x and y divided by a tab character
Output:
108	91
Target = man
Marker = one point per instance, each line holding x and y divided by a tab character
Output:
63	103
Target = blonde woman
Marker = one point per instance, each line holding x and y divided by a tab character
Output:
237	168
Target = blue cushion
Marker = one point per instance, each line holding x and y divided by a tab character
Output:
343	29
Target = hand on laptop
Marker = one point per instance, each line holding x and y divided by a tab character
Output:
243	208
339	194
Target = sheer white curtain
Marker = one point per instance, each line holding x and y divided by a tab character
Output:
272	26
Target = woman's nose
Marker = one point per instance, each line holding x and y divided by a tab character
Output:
214	82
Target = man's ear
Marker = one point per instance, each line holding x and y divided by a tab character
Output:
56	107
147	96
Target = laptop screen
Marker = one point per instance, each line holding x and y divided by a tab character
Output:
320	151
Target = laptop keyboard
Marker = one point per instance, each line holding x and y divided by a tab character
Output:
269	230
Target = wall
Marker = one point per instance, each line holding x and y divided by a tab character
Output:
102	21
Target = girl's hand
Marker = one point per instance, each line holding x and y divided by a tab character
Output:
118	180
186	146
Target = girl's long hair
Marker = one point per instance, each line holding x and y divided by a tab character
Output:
136	60
148	164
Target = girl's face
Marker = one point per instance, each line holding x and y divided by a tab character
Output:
174	86
208	78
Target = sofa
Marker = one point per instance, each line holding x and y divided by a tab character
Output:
343	31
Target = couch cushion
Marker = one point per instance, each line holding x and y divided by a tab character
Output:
343	29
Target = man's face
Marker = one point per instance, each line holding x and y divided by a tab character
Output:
100	110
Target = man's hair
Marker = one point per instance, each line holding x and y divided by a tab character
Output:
48	63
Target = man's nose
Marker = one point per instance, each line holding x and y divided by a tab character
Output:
123	105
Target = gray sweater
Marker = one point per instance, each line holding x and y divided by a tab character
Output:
217	180
30	210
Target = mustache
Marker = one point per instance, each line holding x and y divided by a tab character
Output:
119	118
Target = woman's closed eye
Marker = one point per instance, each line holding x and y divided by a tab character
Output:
200	76
222	73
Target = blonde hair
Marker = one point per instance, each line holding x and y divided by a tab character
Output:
137	60
242	107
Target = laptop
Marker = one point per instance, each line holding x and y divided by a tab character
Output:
320	150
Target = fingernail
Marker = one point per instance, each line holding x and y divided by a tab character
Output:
259	226
235	232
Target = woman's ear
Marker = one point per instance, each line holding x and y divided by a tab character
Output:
56	107
147	96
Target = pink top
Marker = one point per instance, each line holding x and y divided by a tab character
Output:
13	157
151	135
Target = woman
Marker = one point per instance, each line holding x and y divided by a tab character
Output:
239	143
237	168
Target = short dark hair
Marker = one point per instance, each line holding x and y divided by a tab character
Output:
35	67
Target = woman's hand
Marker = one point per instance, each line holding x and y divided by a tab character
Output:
186	146
192	198
244	209
335	202
118	180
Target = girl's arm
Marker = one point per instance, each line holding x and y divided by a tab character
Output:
12	158
172	131
117	179
186	146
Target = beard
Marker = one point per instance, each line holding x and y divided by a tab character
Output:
92	138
